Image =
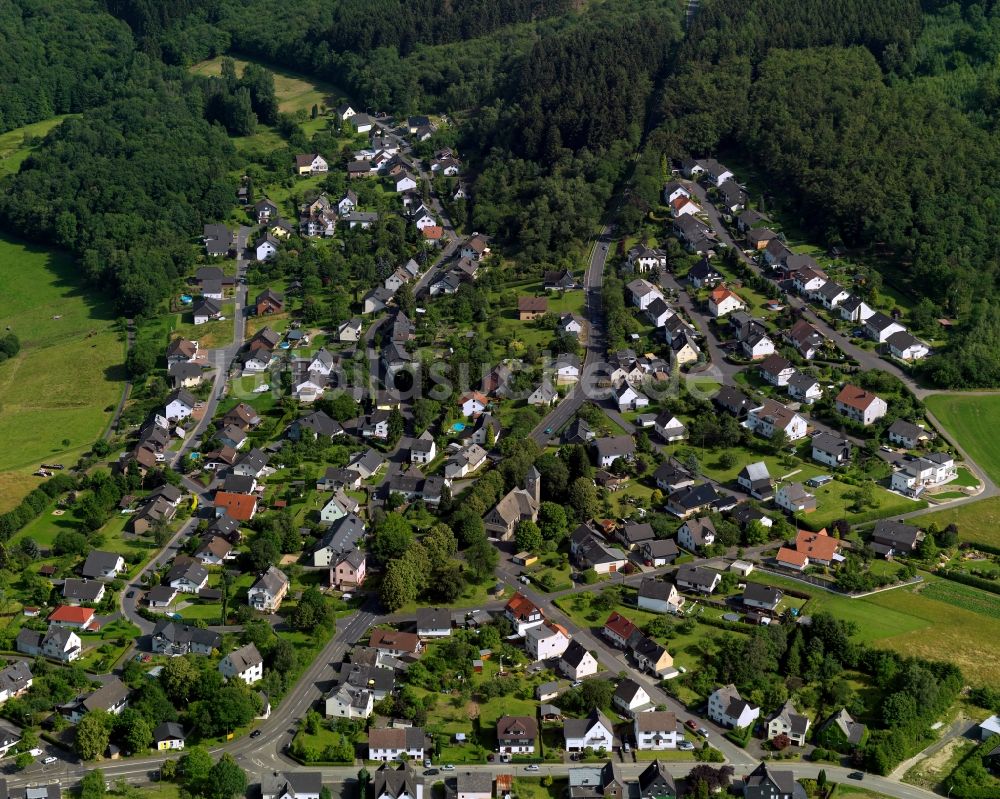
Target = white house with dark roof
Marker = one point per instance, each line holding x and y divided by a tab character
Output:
788	721
728	708
656	730
244	663
576	662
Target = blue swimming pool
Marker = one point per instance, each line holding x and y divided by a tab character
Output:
458	427
186	298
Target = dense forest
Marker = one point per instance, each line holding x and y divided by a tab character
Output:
57	58
875	124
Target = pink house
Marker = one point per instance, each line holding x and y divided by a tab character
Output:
349	570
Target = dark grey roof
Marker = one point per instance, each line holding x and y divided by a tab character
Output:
762	593
99	562
82	590
696	575
574	654
168	730
186	634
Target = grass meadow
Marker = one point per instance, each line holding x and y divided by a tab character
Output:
57	394
972	419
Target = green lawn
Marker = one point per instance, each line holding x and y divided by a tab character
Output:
977	522
295	92
64	331
532	788
13	149
972	421
931	620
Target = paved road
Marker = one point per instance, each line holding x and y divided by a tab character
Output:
593	282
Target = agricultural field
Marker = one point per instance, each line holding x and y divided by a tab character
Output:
972	420
63	331
977	522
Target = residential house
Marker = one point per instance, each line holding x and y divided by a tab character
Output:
768	783
855	309
348	570
15	680
713	172
759	238
794	498
904	346
629	398
310	164
762	597
529	308
111	697
570	324
696	534
804	388
756	481
831	294
907	434
180	404
693	499
673	190
181	350
516	735
773	417
659	552
840	731
391	743
643	293
266	247
187	575
697	578
789	722
618	629
82	592
820	548
757	344
860	405
702	275
733	401
727	708
242	507
612	448
576	662
264	209
545	641
244	663
268	591
473	403
659	596
776	252
722	301
879	327
517	505
891	538
101	565
806	339
596	782
658	312
567	369
654	731
669	428
523	613
590	551
464	462
173	638
315	426
792	559
776	370
400	782
346	701
292	785
594	732
58	643
433	622
630	699
644	259
219	240
831	450
730	197
683	206
168	736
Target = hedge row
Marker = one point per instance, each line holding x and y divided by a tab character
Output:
34	504
968	579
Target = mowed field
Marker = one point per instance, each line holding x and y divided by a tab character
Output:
57	394
295	92
977	522
935	619
12	148
974	421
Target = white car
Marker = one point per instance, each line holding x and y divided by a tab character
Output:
532	767
34	752
50	760
449	767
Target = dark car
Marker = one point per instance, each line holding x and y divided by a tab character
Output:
431	772
130	594
256	734
856	775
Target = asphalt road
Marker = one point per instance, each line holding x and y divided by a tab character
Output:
593	282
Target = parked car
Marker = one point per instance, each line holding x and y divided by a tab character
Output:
431	772
532	767
691	724
685	746
449	767
703	732
50	760
856	775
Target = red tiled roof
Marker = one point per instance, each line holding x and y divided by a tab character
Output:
855	397
73	615
786	555
818	546
619	625
433	232
240	506
520	607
